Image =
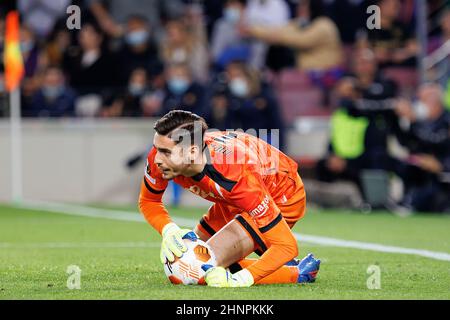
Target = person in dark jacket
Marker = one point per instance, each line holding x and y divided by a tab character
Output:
181	91
424	128
54	98
366	97
91	68
139	49
253	103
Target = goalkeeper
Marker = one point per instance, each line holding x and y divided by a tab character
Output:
257	198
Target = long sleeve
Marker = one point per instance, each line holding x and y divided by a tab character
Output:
151	206
150	197
293	37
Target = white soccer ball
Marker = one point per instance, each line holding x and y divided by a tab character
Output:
188	268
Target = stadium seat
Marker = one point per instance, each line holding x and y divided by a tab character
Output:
293	78
303	101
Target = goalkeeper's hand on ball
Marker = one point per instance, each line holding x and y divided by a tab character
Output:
172	243
222	278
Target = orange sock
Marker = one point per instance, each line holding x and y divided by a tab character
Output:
285	274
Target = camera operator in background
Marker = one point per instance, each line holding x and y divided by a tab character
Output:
424	129
361	124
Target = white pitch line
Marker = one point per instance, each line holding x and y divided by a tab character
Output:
129	216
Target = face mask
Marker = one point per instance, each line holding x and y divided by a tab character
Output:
26	46
136	38
178	85
52	92
239	87
136	89
232	15
421	111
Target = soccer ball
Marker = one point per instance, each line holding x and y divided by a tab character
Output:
187	269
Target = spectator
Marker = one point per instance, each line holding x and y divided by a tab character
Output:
341	10
32	63
361	125
374	99
139	50
30	50
183	45
137	88
213	11
393	44
226	42
91	70
425	131
112	14
370	81
313	36
56	46
346	151
41	15
54	98
252	102
182	91
218	114
137	101
268	13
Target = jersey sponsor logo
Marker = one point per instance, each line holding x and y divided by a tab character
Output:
261	208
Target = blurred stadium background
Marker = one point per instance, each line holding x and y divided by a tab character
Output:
343	81
361	101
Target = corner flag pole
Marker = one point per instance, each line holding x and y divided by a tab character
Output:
16	146
14	70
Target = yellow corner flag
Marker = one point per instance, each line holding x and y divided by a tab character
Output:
12	57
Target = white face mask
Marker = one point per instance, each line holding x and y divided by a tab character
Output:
239	87
421	110
232	15
136	89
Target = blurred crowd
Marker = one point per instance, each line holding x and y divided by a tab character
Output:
223	60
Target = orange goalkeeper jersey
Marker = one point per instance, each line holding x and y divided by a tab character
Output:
243	172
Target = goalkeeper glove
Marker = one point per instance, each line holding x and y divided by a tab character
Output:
222	278
172	243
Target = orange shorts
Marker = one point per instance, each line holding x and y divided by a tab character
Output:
219	215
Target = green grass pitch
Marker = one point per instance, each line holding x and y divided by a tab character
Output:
120	259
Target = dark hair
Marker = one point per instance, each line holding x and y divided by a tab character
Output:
242	2
94	25
316	9
177	123
138	17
